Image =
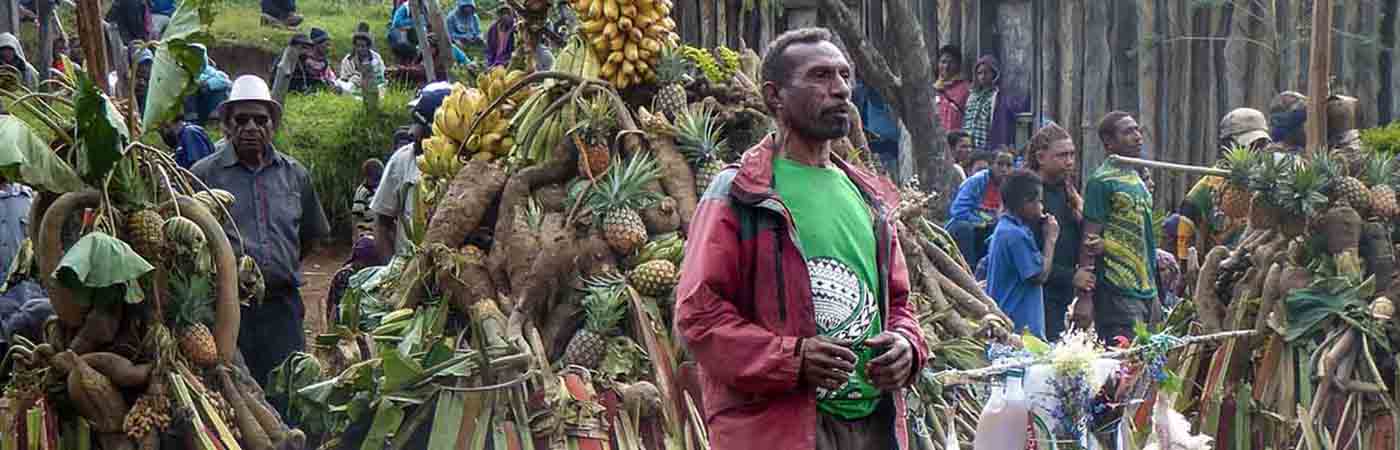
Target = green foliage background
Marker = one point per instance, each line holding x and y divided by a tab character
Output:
332	135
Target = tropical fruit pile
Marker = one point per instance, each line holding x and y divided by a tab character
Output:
627	36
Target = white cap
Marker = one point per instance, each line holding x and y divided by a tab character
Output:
251	88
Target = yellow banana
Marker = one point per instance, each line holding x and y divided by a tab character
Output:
616	43
630	50
635	34
629	11
610	9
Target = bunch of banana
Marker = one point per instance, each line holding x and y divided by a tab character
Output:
717	71
627	35
439	159
493	137
537	133
669	246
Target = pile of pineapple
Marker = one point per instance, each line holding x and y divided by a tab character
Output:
627	36
1288	192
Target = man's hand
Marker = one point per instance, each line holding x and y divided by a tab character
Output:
891	369
825	364
1081	311
1050	227
1094	243
1084	279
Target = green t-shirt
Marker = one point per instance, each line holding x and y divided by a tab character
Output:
1117	198
835	234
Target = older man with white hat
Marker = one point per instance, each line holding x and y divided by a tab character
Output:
277	214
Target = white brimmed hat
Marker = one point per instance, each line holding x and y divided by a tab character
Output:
251	88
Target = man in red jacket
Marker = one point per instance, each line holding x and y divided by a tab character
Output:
794	295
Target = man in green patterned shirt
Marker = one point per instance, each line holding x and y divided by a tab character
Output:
1119	243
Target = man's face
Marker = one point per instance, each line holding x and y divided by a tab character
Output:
947	65
813	101
963	150
986	76
7	54
361	48
143	74
1002	165
1057	159
467	10
251	124
1127	138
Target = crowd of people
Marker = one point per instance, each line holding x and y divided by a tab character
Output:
830	318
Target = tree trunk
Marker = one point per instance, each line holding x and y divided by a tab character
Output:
1318	70
93	39
1389	77
1148	65
9	17
907	85
1071	37
1096	81
1366	64
425	47
1288	40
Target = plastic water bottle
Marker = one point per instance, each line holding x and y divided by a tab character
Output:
1002	425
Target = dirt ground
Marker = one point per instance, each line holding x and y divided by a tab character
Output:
318	269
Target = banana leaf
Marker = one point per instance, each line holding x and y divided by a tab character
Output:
99	268
387	418
178	63
447	420
25	157
102	133
1310	309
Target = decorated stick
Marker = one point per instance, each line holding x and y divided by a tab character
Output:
1197	170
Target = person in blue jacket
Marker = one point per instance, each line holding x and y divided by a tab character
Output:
879	123
974	210
402	37
463	25
190	141
213	86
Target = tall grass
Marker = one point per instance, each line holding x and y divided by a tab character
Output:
332	135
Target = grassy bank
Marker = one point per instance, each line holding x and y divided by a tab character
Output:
332	135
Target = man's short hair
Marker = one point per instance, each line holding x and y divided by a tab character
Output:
372	167
1108	126
957	136
1019	188
983	155
951	50
777	68
1042	139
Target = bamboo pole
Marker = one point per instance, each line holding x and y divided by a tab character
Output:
1194	170
1319	68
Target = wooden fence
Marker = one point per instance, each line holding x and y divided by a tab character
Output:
1179	65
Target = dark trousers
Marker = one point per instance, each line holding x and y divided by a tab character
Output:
971	239
404	44
1115	315
270	332
874	432
279	8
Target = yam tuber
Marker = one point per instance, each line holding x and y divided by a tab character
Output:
254	437
94	396
1208	306
508	251
1270	298
50	252
119	369
98	329
676	177
465	204
1377	253
1341	229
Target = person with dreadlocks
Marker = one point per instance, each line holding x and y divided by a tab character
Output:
1051	154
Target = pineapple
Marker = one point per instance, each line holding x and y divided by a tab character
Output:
1343	188
617	197
1300	195
144	231
592	135
1233	198
1263	182
698	137
1379	175
653	278
673	72
603	308
189	307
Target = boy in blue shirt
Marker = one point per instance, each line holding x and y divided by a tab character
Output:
1016	263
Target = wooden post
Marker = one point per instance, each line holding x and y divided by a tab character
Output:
707	22
439	29
9	16
425	48
44	60
1318	71
92	35
282	74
